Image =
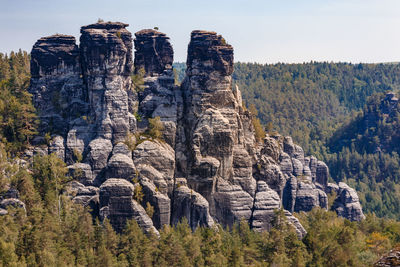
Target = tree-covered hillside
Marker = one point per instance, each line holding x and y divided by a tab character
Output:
365	152
308	101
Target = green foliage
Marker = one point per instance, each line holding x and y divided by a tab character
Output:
138	193
18	120
138	80
309	101
130	141
258	128
155	128
138	117
77	155
49	175
149	209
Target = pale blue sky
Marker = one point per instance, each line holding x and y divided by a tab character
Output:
263	31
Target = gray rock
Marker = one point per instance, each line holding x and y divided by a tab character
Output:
286	164
78	138
81	172
117	204
243	170
322	174
265	203
56	85
288	146
297	167
123	149
57	147
160	202
99	151
87	101
347	204
231	203
271	148
153	53
290	193
13	202
307	197
313	167
106	56
332	188
3	212
192	206
11	193
271	173
301	232
323	199
158	155
121	166
77	189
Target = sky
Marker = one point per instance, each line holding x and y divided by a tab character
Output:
262	31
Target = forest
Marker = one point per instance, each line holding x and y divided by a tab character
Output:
53	231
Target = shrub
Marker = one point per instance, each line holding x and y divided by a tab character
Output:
149	209
155	128
77	155
137	80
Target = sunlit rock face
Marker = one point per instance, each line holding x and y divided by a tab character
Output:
207	166
56	83
153	52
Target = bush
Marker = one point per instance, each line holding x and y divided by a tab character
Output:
155	128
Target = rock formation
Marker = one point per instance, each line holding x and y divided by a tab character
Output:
153	52
207	167
392	258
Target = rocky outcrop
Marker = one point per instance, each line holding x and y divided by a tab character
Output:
214	130
206	167
347	203
117	205
12	202
10	199
192	206
153	53
392	258
106	55
56	85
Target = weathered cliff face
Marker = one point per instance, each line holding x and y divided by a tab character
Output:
218	165
56	84
153	53
106	52
207	167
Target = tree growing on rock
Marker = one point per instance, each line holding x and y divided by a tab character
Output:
155	128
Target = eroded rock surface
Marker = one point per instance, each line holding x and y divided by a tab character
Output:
207	165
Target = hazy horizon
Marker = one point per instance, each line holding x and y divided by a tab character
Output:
351	31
